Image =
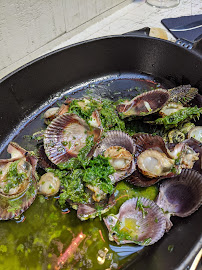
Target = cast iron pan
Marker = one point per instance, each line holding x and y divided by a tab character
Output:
112	65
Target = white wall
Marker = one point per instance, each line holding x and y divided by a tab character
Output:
28	26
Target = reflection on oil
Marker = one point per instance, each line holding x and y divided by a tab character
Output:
124	251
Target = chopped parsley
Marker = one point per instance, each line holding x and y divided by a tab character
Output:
107	110
13	177
141	207
175	118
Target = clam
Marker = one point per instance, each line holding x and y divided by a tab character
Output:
66	136
119	147
17	182
144	104
139	221
180	196
196	133
49	184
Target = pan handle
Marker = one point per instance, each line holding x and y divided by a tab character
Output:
140	32
196	46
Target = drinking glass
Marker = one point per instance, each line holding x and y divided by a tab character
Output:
163	3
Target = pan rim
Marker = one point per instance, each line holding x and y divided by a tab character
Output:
123	36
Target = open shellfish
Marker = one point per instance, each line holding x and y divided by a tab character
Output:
154	160
170	108
144	104
139	221
119	147
66	136
149	149
17	182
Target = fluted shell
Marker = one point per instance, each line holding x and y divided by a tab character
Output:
19	198
90	211
139	221
182	195
120	147
65	136
148	142
182	93
144	104
145	141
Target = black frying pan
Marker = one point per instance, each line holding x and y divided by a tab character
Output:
125	62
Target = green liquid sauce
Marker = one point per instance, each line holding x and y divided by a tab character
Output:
46	232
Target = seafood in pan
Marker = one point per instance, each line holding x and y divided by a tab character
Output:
90	145
18	182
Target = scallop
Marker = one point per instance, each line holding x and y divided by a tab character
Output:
120	158
119	147
153	163
144	104
170	108
180	196
17	182
153	145
196	133
66	136
49	184
139	221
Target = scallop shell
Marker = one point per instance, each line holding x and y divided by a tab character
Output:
139	221
87	211
117	138
26	195
145	142
65	136
182	195
144	104
182	93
